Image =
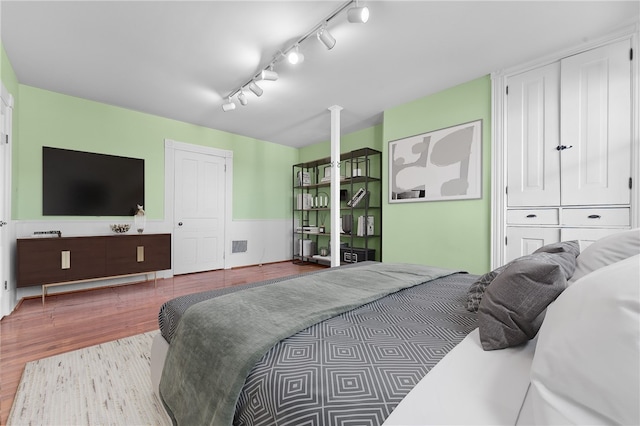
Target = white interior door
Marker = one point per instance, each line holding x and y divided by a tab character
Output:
5	200
199	209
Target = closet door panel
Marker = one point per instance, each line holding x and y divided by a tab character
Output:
524	240
533	164
596	126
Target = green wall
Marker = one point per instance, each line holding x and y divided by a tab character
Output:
450	234
7	73
10	81
367	138
453	234
51	119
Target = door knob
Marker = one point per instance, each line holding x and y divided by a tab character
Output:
179	223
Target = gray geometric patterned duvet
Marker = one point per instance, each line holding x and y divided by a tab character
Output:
355	368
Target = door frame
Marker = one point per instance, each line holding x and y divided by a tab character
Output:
170	146
7	294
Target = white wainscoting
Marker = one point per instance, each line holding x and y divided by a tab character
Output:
268	241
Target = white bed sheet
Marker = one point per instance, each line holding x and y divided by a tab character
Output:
470	386
159	349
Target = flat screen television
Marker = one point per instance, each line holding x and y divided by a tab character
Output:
77	183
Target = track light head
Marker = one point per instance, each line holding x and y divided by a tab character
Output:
326	38
257	90
242	97
295	57
229	106
358	14
268	75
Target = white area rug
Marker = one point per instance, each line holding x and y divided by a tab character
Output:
106	384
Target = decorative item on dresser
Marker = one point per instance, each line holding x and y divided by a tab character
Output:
139	219
58	261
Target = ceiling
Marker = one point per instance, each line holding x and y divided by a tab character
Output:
180	59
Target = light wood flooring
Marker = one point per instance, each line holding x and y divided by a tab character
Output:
76	320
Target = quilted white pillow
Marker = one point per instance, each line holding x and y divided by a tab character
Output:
607	250
586	368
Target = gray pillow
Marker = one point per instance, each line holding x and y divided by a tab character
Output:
478	288
572	247
512	309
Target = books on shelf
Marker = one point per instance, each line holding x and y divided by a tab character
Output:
305	201
308	229
365	226
357	197
304	178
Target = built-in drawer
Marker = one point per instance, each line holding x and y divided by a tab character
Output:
596	217
532	217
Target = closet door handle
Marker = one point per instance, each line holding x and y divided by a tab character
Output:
531	216
594	216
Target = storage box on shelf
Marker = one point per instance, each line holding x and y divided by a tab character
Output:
360	208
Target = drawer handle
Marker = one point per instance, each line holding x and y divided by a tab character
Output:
65	259
594	216
531	216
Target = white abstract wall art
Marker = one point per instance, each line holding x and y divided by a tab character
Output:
440	165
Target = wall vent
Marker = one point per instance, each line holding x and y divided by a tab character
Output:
239	246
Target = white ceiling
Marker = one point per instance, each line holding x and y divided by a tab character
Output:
179	59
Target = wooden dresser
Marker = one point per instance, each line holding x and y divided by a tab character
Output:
66	260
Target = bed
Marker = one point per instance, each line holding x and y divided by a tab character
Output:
518	345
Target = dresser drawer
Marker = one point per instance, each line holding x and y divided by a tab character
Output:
532	217
596	217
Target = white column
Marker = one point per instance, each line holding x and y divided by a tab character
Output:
335	185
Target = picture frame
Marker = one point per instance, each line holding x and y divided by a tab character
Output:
440	165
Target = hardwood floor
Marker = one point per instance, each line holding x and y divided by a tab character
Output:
77	320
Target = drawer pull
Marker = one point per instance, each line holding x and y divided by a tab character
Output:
65	259
594	216
531	216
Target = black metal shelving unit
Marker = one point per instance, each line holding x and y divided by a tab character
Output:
359	169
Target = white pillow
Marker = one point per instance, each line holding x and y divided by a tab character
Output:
605	251
586	369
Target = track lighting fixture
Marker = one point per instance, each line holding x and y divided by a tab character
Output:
269	74
355	14
242	97
358	14
257	90
294	56
326	38
229	106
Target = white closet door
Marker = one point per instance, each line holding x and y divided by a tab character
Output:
596	126
533	163
522	241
